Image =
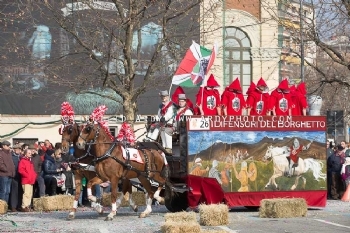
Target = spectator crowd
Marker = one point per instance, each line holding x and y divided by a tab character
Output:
33	171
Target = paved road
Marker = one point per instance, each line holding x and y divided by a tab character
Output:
334	218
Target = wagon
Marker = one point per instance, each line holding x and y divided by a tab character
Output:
240	160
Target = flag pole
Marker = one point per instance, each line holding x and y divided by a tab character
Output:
170	88
202	93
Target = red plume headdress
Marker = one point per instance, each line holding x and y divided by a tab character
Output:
67	113
97	116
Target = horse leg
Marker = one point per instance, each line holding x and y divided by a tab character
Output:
92	198
149	197
158	197
127	188
77	180
115	205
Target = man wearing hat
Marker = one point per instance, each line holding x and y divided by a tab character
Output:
7	171
166	115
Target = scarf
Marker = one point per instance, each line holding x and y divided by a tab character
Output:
347	162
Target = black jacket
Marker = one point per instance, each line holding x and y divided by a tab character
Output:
334	163
49	166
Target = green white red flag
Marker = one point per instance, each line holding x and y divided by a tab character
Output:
194	66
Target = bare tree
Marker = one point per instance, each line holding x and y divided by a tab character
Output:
324	30
115	49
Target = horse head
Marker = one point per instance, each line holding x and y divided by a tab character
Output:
88	134
70	134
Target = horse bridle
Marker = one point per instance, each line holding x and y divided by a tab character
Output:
92	129
70	131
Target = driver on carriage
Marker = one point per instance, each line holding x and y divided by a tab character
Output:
165	125
294	155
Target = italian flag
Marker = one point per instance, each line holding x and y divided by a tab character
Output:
194	66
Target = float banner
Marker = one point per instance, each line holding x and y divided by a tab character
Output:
263	123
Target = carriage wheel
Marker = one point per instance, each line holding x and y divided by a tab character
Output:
177	203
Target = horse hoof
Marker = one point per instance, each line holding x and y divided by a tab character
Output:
70	217
143	215
108	218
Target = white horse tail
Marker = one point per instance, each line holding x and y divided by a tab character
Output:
316	168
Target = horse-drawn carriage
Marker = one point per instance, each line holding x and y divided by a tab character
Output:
236	156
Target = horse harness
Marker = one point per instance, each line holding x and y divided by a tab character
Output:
77	165
127	165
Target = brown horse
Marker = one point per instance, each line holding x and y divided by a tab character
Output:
85	168
112	166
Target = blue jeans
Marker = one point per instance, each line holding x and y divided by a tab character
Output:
5	187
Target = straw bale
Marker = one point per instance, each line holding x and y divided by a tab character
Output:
3	207
65	202
181	217
213	215
283	208
50	203
214	231
139	199
180	227
38	204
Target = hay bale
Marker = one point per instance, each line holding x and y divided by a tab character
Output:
50	203
180	227
38	204
214	231
3	207
181	217
65	202
283	208
138	198
213	215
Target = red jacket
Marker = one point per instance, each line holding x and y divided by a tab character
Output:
26	170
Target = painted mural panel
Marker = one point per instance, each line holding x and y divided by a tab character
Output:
270	158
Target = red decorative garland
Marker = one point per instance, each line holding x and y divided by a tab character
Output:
127	132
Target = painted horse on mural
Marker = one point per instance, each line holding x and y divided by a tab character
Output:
281	166
83	167
114	161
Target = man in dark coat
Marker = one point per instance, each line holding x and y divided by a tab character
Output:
39	187
16	188
334	165
7	171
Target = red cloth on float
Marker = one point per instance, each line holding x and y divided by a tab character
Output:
280	99
232	99
257	100
211	97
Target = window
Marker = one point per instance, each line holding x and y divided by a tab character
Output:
237	57
28	141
